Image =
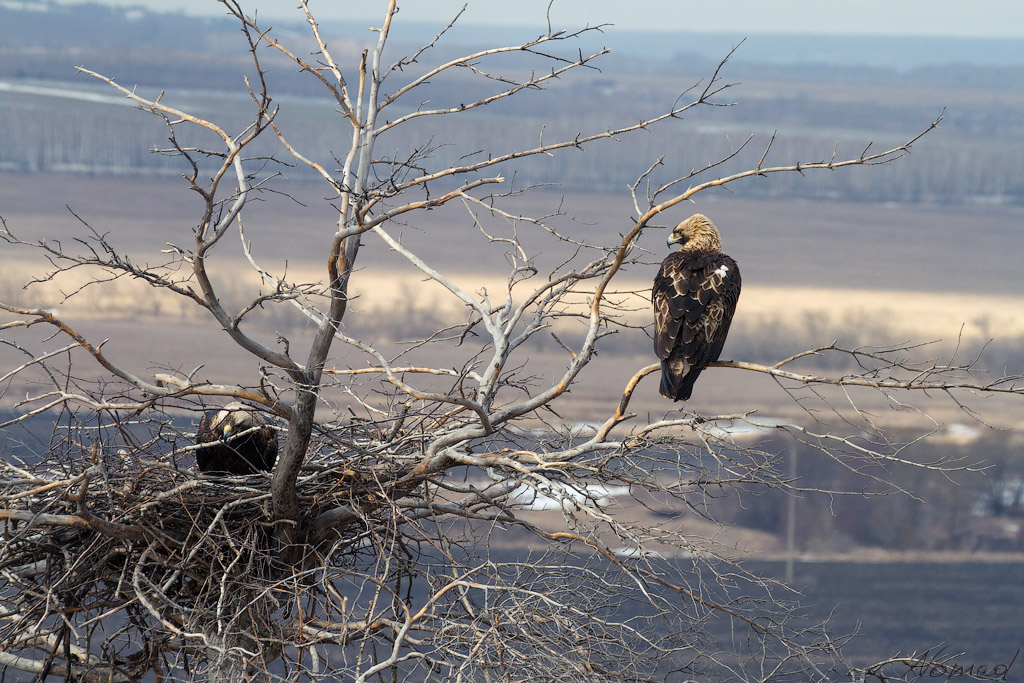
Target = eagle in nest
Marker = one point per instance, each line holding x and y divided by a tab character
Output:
240	442
694	297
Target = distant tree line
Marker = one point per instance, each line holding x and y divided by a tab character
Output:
966	512
975	157
52	134
810	106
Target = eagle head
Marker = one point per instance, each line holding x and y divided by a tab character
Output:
696	233
234	417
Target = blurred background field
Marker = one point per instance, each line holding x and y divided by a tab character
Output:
927	249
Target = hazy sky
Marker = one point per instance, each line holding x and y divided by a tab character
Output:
995	18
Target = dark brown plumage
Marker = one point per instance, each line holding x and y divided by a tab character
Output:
694	297
228	453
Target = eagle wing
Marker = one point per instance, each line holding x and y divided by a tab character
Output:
694	299
204	434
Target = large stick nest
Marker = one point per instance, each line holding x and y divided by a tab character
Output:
74	525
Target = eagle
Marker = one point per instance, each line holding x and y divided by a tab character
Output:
694	297
240	441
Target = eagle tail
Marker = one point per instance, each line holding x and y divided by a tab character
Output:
676	386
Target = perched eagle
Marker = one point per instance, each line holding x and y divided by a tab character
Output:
694	297
228	453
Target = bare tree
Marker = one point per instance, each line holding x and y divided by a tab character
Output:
372	549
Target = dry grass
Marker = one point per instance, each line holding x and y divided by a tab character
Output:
906	314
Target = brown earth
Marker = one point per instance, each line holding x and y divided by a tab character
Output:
902	273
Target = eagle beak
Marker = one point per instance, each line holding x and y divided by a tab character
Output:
672	239
226	433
